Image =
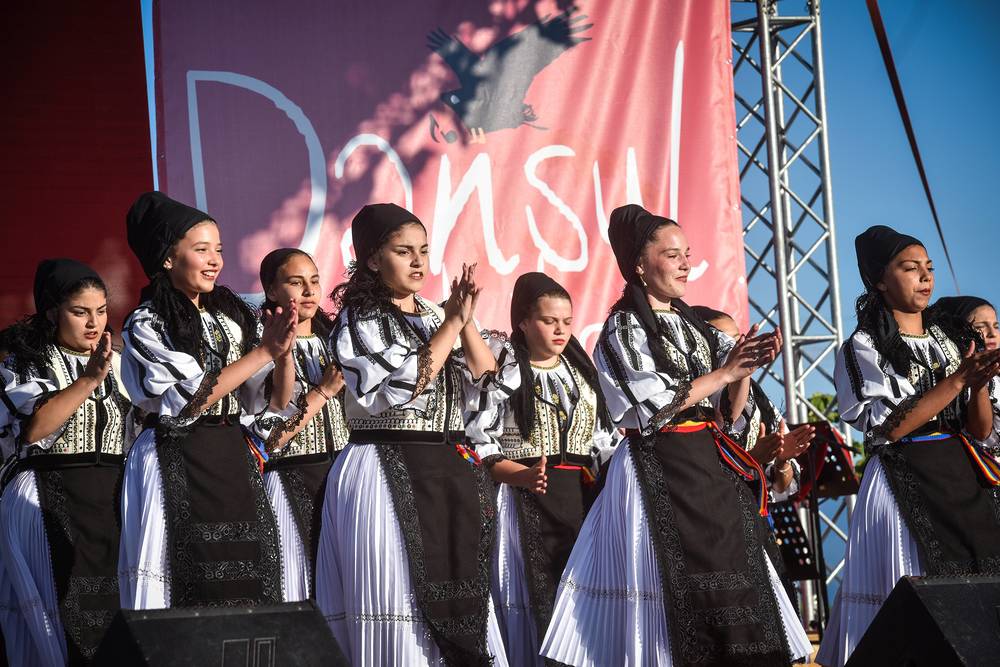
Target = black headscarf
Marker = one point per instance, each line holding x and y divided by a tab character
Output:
961	307
629	230
955	310
154	223
875	247
29	340
54	277
528	288
373	223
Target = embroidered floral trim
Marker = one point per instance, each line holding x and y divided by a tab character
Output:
664	414
424	362
197	405
611	593
891	422
541	587
287	425
493	459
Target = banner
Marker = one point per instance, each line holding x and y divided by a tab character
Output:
511	129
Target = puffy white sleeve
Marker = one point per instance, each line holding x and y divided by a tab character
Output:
603	445
20	397
380	372
992	443
871	396
637	395
483	429
160	379
494	387
259	417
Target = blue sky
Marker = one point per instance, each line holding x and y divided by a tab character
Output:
947	57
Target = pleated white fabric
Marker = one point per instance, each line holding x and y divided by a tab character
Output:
32	628
294	561
609	609
143	568
880	550
362	574
510	586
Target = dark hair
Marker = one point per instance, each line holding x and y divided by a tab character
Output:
29	340
364	291
523	399
183	321
322	322
875	319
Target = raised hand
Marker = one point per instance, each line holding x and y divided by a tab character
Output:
464	295
766	448
99	363
751	352
278	337
977	368
794	442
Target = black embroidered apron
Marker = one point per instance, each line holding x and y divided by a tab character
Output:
446	510
703	520
80	496
222	536
949	508
303	479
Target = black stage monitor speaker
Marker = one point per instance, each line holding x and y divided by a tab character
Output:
935	622
293	633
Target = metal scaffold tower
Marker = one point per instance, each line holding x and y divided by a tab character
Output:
788	222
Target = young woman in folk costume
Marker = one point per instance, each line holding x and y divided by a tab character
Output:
198	529
982	317
669	568
295	473
71	422
546	443
913	385
409	516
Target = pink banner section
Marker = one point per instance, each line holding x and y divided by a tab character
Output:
512	129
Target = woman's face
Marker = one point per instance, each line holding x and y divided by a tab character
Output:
402	260
297	281
81	319
196	260
548	328
664	264
984	320
908	282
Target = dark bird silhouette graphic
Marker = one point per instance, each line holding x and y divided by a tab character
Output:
494	84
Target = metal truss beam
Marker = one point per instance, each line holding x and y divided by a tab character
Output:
788	221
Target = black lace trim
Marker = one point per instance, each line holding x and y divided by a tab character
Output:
541	587
196	405
84	628
891	423
678	586
185	572
304	513
442	630
424	362
667	412
907	494
493	459
287	425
